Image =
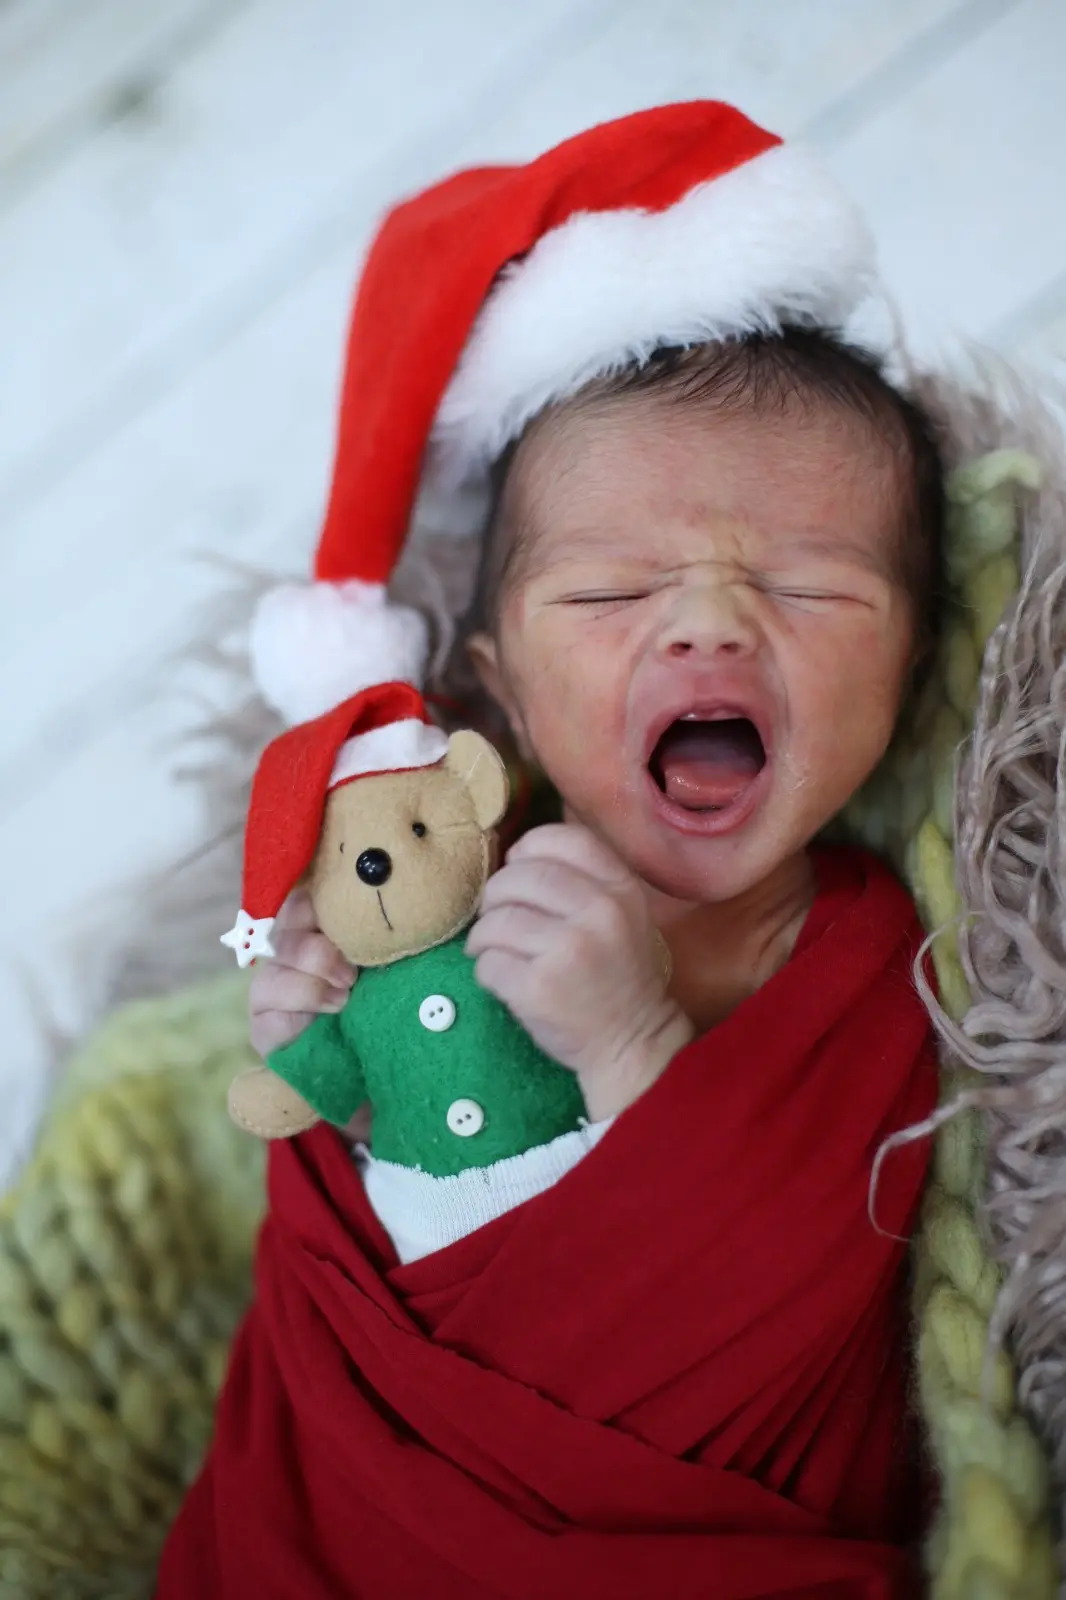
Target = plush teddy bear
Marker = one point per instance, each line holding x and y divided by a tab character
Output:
391	826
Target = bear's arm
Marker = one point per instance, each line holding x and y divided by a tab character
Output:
324	1067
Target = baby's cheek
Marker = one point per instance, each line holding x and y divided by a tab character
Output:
574	711
880	664
854	692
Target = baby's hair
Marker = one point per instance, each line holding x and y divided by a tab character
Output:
762	373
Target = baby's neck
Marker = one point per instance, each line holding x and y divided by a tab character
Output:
722	953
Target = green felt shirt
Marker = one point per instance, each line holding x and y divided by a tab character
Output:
388	1046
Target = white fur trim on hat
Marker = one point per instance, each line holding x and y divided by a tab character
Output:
397	747
314	645
772	242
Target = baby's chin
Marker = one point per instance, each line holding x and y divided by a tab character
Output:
701	872
683	863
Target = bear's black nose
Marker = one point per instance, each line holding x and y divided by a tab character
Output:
374	867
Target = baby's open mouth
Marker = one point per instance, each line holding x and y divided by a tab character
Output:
707	765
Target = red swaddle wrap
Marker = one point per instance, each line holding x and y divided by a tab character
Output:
680	1372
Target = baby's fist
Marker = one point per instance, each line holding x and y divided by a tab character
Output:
564	939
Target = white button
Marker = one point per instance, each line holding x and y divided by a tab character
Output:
465	1117
437	1013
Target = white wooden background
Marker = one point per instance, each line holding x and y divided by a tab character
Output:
185	190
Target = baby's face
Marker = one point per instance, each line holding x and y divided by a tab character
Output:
704	642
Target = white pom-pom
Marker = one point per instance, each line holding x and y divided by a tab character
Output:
314	645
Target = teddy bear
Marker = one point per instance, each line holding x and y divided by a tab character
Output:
391	826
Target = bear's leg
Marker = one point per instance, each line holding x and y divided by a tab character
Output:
261	1103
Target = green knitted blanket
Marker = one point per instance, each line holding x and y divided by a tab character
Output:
124	1265
125	1248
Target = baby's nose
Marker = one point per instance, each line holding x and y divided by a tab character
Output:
374	867
710	620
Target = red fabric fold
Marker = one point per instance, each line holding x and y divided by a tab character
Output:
681	1371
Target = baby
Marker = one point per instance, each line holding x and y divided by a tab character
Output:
705	589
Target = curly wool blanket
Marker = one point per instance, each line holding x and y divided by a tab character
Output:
124	1249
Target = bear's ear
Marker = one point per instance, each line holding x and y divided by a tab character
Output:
473	760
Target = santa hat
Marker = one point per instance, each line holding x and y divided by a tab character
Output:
505	288
383	729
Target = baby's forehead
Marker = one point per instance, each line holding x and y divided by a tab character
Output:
590	483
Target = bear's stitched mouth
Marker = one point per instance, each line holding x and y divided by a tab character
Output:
385	914
707	764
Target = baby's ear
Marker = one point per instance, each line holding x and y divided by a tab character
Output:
483	654
473	760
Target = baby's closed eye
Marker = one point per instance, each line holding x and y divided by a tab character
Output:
810	595
792	593
607	597
814	594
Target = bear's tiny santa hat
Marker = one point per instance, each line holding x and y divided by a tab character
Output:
382	729
503	289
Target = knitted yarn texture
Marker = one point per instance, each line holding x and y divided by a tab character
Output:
125	1247
992	1536
124	1266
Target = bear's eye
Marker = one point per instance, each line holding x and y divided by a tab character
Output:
418	829
342	847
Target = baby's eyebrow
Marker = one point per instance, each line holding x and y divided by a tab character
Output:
596	543
855	552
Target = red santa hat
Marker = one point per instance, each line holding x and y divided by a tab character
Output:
505	288
382	729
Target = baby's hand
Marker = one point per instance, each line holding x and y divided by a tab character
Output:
307	976
564	939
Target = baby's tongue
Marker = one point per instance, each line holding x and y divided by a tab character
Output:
708	764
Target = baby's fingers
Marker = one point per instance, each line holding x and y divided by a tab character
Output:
269	1030
309	951
297	912
283	1002
279	988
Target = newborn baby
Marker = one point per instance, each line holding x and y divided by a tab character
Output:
710	549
